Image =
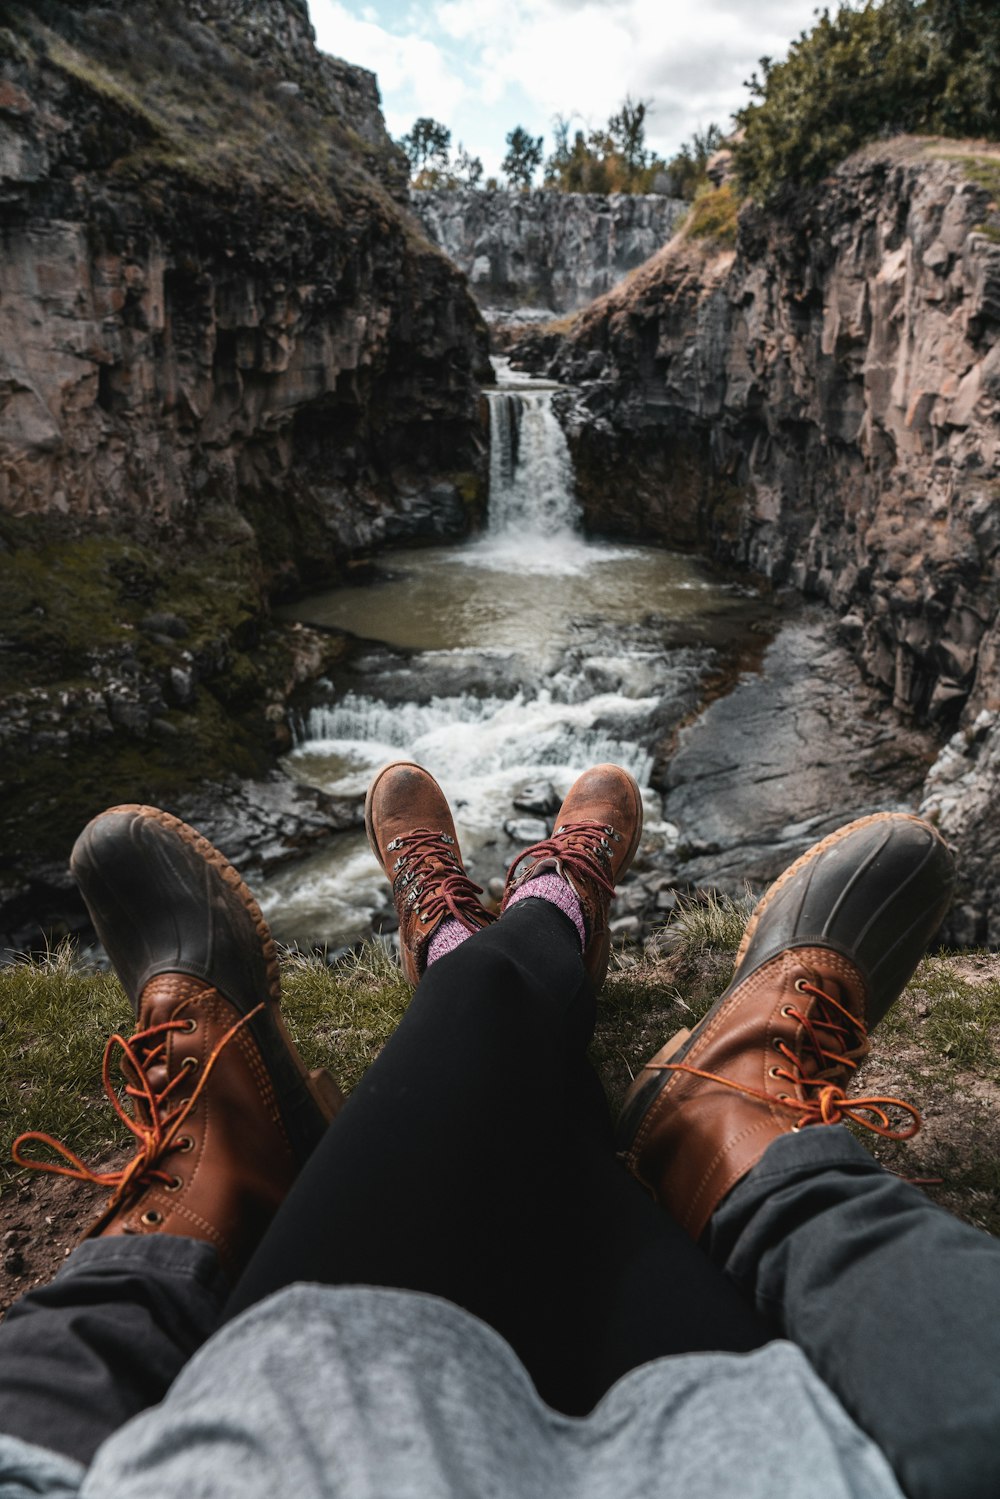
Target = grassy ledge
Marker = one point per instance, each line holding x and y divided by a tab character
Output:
939	1047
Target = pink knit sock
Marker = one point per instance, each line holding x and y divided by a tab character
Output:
552	887
449	935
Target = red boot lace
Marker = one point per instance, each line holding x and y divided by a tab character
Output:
826	1102
579	849
423	879
149	1119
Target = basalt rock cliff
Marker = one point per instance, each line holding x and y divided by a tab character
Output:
821	405
230	363
545	249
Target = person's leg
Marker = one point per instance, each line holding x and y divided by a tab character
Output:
475	1161
895	1302
105	1339
223	1114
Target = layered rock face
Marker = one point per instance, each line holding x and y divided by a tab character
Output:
545	249
822	405
229	363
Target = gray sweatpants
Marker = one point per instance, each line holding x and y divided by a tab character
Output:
895	1303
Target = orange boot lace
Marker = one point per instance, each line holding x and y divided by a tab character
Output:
826	1101
150	1118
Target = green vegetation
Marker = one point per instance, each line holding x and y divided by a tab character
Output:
612	158
713	215
939	1046
608	159
426	147
178	105
925	66
685	172
93	676
524	157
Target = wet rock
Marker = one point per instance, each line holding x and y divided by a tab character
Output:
170	625
526	830
541	797
758	403
961	796
263	824
805	735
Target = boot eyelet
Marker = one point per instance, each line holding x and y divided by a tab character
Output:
184	1144
151	1218
800	985
796	1128
190	1025
788	1012
774	1072
188	1064
174	1184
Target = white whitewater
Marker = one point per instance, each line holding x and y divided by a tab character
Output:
534	519
545	620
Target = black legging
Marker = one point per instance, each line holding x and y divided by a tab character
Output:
475	1160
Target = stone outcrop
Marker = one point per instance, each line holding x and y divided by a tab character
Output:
822	405
228	366
545	249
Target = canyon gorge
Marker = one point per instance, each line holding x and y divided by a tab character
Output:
235	369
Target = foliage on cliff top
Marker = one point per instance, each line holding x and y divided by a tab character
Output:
888	67
713	215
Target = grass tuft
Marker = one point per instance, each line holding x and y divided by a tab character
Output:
939	1046
708	922
714	215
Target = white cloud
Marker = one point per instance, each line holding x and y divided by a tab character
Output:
414	74
482	66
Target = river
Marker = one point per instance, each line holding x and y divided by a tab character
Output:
509	664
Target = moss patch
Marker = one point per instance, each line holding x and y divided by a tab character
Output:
714	215
126	672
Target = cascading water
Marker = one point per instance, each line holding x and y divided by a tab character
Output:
562	673
531	473
534	520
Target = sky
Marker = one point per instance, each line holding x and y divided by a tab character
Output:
483	66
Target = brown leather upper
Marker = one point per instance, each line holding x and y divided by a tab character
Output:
230	1163
594	839
412	834
700	1136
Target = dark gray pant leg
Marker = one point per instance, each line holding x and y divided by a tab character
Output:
105	1339
895	1302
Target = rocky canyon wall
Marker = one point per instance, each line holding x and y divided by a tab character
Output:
229	364
545	249
822	405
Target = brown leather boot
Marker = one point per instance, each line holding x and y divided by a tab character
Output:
597	831
222	1108
829	948
412	835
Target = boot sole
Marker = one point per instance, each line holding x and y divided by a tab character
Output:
637	1103
320	1085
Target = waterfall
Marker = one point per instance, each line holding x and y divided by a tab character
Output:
531	473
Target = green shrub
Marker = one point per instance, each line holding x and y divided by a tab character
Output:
926	66
713	215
